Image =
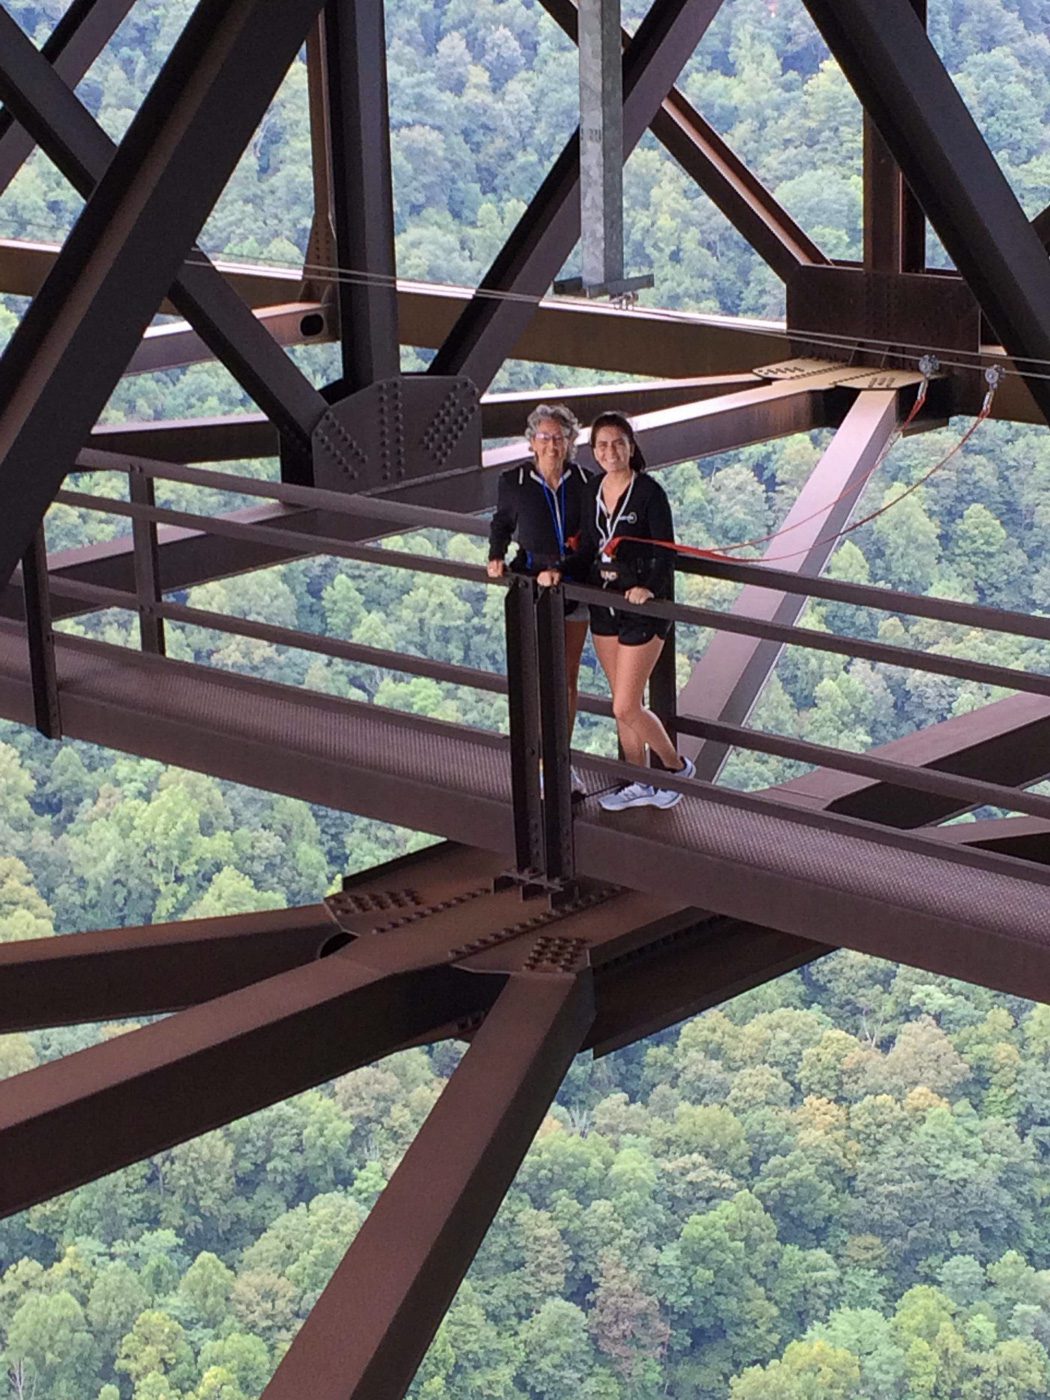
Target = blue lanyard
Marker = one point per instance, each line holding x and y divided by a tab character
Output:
556	506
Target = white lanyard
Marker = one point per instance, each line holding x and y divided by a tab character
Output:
611	521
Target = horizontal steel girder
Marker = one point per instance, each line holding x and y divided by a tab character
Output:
1006	740
816	876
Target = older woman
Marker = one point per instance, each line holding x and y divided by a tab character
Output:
539	508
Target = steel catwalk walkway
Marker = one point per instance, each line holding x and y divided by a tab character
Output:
833	879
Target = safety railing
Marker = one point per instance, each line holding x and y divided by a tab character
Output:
534	625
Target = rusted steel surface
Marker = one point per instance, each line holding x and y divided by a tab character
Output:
73	343
77	39
732	673
409	1257
884	51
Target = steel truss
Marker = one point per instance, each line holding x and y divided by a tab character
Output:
553	959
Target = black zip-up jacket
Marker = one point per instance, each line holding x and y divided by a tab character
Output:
644	513
525	513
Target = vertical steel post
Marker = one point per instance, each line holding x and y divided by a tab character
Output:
147	564
40	638
554	717
362	189
523	705
894	224
601	142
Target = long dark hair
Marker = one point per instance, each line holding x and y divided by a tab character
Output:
612	419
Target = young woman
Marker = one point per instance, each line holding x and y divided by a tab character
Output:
540	508
624	501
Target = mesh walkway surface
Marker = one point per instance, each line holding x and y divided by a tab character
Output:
979	916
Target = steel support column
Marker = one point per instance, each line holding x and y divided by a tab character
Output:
885	53
372	1325
601	143
487	330
40	638
362	190
722	176
70	348
71	48
82	151
732	673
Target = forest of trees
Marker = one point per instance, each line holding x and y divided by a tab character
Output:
835	1186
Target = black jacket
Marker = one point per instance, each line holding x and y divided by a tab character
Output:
643	511
527	511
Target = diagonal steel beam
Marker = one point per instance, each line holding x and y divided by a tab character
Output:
86	977
885	52
1008	741
486	332
82	151
719	172
371	1327
69	350
732	673
72	46
182	1076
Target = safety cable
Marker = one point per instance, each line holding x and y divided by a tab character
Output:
340	276
993	377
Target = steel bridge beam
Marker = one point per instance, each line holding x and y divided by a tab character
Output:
485	334
71	48
361	189
731	675
70	349
370	1329
721	174
82	151
884	50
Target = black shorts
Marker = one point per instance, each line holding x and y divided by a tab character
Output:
633	629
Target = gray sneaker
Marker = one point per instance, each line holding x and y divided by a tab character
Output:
629	795
664	797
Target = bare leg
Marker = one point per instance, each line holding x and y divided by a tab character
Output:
575	636
633	667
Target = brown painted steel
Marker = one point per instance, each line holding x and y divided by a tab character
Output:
533	255
723	177
70	348
1009	739
80	148
884	51
84	977
372	1325
733	671
200	1068
362	200
77	39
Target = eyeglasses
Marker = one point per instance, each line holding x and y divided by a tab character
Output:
608	443
548	437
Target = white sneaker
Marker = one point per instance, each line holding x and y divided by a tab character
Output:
629	795
664	797
576	784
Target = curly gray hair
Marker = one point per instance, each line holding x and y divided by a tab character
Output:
564	417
